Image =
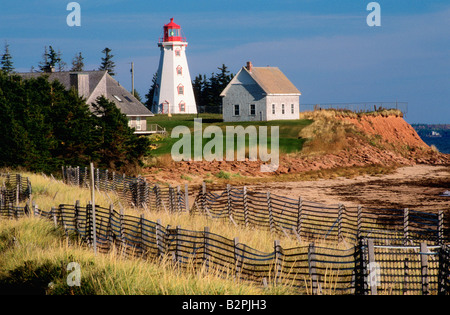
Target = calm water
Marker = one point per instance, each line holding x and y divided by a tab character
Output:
442	143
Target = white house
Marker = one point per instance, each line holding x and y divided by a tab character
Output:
260	94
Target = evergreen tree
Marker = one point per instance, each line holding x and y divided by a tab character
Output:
6	61
50	59
61	64
137	95
78	63
207	91
151	93
107	63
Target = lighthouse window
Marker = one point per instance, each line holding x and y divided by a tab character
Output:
180	70
178	52
182	107
173	32
180	90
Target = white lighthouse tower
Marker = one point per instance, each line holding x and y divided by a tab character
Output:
173	93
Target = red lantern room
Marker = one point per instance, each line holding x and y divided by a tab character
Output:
172	32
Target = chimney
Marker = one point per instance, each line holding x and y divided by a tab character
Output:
80	81
249	66
49	69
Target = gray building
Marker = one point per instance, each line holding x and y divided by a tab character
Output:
92	84
260	94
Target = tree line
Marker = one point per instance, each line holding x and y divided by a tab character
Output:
206	89
53	59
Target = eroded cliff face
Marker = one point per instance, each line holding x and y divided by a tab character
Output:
391	129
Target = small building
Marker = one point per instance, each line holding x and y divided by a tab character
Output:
260	94
92	84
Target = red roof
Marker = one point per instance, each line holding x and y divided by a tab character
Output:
172	24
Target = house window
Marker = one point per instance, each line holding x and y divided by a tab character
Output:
182	106
292	108
236	110
179	70
117	98
282	109
138	123
273	109
252	109
180	89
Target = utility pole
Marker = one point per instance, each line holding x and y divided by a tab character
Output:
132	78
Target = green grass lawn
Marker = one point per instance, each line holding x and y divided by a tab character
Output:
289	130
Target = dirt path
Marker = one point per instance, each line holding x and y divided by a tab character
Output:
415	187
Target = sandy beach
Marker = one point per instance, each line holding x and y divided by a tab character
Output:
415	187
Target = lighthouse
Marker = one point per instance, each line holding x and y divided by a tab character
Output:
173	92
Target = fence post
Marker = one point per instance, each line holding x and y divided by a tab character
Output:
299	216
269	206
277	267
159	198
61	215
340	213
141	225
106	180
441	227
359	223
97	181
17	194
186	197
229	200
177	244
121	228
170	199
158	238
35	209
110	232
78	176
179	199
204	197
424	265
312	268
372	280
76	217
55	220
405	225
236	257
246	218
206	256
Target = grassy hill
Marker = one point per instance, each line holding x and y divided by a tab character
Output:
289	130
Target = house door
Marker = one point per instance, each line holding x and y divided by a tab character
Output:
165	107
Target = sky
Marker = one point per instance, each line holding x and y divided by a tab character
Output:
325	47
